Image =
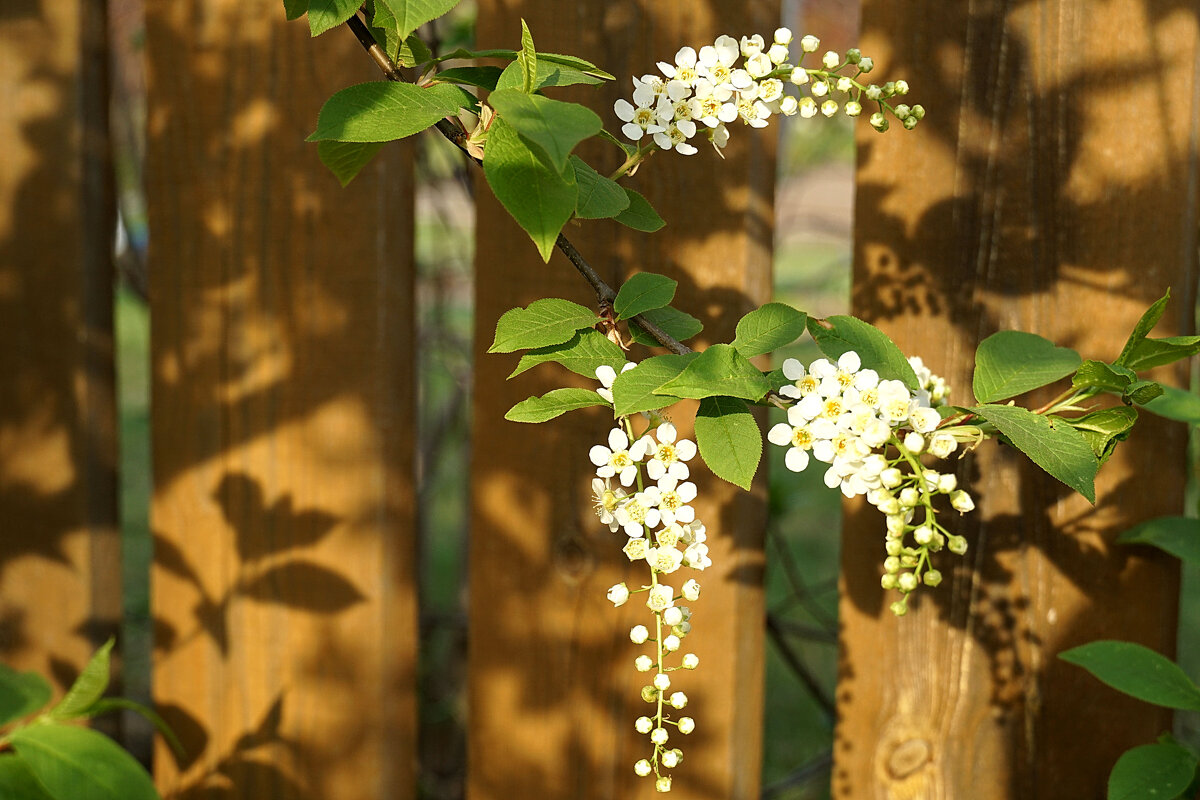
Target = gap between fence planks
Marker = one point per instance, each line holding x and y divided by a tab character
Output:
553	693
1056	193
284	588
59	553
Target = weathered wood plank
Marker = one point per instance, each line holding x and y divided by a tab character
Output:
1056	194
284	591
59	553
553	692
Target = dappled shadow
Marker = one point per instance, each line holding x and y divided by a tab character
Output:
1012	210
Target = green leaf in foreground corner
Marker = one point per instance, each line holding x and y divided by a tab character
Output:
81	764
582	354
1143	327
768	328
729	439
839	334
599	197
1150	353
1179	536
553	404
1010	363
1176	404
1053	445
412	14
1151	772
719	371
88	687
1138	672
528	59
640	215
17	781
383	111
544	322
346	159
633	391
295	9
642	292
553	126
540	199
678	324
21	693
324	15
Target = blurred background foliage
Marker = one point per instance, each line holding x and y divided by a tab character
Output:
813	228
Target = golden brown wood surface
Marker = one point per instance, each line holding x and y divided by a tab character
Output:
283	588
1051	188
553	692
60	580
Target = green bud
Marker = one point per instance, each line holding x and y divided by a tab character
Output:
901	87
889	88
854	55
650	694
888	581
932	577
899	608
957	545
902	111
918	111
910	123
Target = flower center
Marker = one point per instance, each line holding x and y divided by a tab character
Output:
670	501
666	453
802	438
644	117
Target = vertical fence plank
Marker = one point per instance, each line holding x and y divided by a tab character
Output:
283	393
1057	194
553	692
59	552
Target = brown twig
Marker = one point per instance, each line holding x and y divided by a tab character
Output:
457	136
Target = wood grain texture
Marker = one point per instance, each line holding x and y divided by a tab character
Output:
553	692
1051	188
59	551
283	589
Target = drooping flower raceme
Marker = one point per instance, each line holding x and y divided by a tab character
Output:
871	434
708	90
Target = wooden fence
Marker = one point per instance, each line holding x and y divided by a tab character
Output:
1054	185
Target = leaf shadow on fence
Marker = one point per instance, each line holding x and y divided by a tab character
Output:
1024	218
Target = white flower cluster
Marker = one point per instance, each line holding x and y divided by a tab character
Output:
642	489
709	89
872	434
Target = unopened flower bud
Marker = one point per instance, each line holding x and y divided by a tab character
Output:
947	483
662	681
893	547
809	44
890	506
777	53
642	768
844	84
901	111
866	64
914	442
853	109
643	663
942	445
678	700
650	694
671	643
638	634
691	590
932	577
829	108
909	496
643	724
874	93
691	661
783	36
788	106
808	108
659	735
957	545
799	76
831	59
901	87
879	122
670	760
961	501
663	784
896	524
891	477
908	582
673	616
910	122
819	89
899	608
686	725
923	535
618	594
888	581
891	564
918	111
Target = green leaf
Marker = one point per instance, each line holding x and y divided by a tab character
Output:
840	334
81	764
346	159
729	439
540	199
1105	428
679	325
719	371
108	704
295	9
572	62
21	693
17	781
582	354
413	52
1137	671
553	404
599	197
382	111
87	688
1144	325
483	77
1142	392
643	291
1151	772
1052	444
1177	404
384	27
1105	377
553	126
633	391
1150	353
544	322
326	14
1010	363
412	14
1179	536
640	215
549	75
527	58
768	328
